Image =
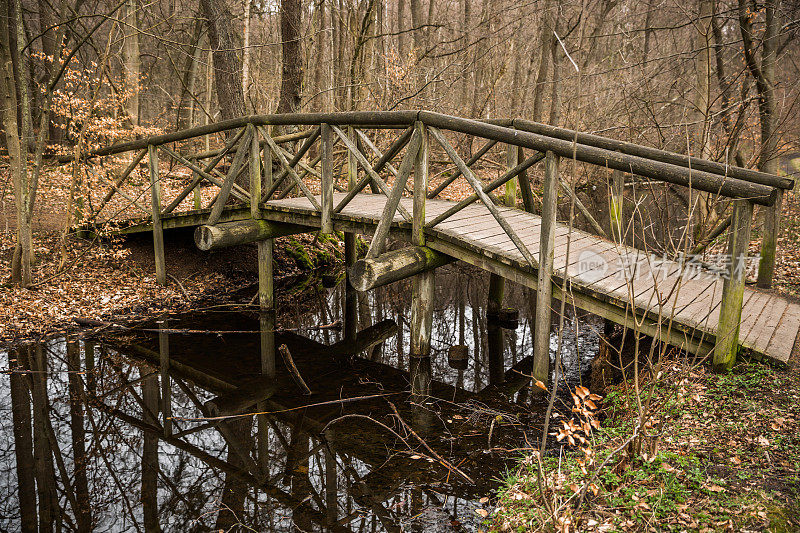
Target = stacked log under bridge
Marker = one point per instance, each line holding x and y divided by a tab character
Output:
289	184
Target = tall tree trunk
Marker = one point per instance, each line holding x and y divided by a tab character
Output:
320	80
150	455
16	143
248	5
292	62
400	28
234	491
23	444
702	104
417	21
83	514
189	85
227	65
42	451
131	60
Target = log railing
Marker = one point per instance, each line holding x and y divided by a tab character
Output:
341	145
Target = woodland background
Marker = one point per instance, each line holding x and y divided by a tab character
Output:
714	78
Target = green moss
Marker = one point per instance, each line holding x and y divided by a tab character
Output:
299	253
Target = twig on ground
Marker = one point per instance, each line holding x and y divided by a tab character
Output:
287	358
180	286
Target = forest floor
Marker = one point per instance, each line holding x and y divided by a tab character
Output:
725	457
114	280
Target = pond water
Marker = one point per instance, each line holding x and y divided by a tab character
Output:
174	423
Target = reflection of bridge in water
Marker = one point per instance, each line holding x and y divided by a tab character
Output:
311	461
713	314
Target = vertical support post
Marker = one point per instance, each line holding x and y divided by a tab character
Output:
525	184
89	364
166	383
266	302
544	296
769	242
265	247
331	487
422	285
265	279
350	256
352	162
255	176
158	231
420	186
327	179
267	329
730	314
494	332
615	209
512	160
197	201
266	167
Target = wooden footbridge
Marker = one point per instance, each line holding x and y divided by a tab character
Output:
281	184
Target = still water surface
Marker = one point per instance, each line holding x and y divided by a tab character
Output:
113	431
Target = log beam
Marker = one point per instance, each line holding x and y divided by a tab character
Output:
242	232
393	266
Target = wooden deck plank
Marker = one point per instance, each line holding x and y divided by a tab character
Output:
782	341
767	322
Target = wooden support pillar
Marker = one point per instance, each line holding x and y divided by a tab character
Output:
350	256
267	329
327	179
196	199
494	333
166	382
266	289
265	276
422	286
541	333
158	231
769	242
730	314
331	487
255	176
525	184
512	160
422	294
616	206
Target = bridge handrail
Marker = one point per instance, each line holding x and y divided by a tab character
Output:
700	174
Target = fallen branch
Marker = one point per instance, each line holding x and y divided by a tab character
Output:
438	457
287	358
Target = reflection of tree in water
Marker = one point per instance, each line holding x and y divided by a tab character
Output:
86	448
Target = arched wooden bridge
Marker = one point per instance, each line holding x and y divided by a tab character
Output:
698	310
